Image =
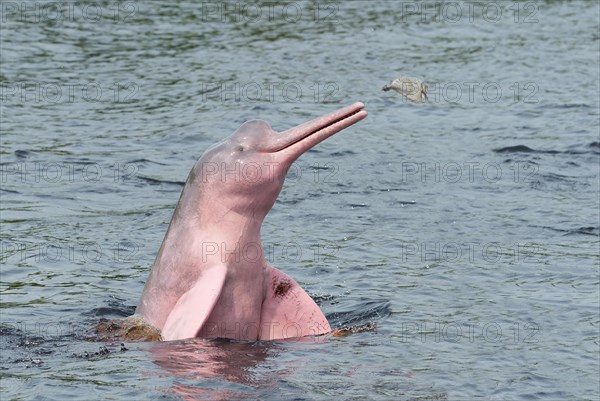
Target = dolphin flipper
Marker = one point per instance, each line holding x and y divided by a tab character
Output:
195	306
288	311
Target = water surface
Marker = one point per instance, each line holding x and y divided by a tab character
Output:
466	228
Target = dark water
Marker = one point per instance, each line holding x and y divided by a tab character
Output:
466	229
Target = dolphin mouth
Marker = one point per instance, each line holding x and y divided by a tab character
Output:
299	139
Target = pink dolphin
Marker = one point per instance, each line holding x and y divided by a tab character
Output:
210	277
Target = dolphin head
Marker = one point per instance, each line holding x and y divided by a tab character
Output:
198	273
245	172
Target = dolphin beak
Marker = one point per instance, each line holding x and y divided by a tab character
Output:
297	140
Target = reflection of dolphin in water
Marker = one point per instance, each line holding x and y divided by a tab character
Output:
214	369
210	277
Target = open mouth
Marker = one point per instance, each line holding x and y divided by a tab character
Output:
306	135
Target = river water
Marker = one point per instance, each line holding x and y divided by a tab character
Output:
466	229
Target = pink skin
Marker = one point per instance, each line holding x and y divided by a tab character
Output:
210	277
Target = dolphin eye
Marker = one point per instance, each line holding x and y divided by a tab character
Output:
240	148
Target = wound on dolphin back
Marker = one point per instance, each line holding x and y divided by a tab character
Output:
281	288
